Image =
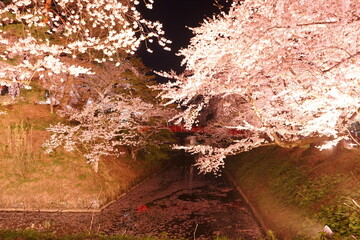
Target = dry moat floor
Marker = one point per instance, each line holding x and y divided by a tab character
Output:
177	202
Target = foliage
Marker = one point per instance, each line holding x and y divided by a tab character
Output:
157	147
294	185
32	235
35	235
273	174
318	195
269	236
286	72
342	215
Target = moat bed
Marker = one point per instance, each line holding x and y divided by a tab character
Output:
176	202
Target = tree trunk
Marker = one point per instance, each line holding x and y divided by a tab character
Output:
51	105
51	99
66	96
298	143
133	152
338	148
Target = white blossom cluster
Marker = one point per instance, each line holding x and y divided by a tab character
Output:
293	65
39	60
102	127
105	26
57	40
100	30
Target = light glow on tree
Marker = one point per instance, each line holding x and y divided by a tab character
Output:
63	45
104	126
288	72
97	31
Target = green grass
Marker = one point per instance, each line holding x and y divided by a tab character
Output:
269	236
35	235
282	176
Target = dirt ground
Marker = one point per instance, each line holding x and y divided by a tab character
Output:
176	202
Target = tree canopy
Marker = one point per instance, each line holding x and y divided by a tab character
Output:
80	52
46	31
284	72
265	72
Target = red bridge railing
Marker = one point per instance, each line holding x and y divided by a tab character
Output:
182	129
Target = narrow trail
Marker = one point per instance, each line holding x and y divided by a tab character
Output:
177	202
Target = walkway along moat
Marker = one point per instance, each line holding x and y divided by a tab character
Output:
177	202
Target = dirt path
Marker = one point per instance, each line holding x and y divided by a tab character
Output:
171	202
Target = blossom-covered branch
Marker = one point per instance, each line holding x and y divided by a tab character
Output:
283	70
103	126
54	30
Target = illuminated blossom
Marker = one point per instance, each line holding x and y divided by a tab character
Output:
287	72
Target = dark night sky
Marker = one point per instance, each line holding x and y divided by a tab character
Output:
175	15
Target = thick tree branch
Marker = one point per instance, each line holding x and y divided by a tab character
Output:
352	137
339	63
298	143
352	118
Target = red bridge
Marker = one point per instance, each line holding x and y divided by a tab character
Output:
231	131
182	129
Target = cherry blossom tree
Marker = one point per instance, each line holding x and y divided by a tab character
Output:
67	46
102	127
53	31
285	72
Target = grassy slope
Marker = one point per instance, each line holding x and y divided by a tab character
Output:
31	179
34	235
299	191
